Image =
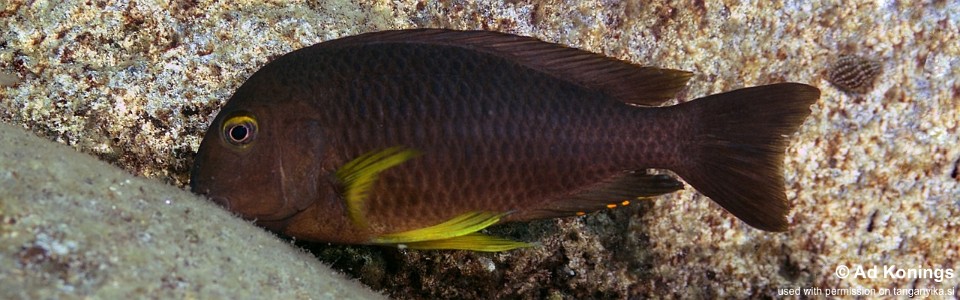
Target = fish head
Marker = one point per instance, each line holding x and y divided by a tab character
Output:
257	158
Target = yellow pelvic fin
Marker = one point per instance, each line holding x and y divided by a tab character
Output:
472	242
358	175
463	224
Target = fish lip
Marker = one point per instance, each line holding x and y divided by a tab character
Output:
225	203
221	201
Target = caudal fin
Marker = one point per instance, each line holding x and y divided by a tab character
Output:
739	145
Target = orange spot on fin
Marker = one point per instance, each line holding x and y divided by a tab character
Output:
611	191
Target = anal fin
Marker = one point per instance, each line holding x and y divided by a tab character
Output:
611	193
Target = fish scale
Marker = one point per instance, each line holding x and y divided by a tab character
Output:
424	137
511	136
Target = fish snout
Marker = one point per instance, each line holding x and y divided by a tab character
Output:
222	201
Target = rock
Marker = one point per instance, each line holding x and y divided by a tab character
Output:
75	227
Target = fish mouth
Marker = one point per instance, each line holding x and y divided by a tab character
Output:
221	201
226	204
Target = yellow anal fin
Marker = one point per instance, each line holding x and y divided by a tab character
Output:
473	242
463	224
358	175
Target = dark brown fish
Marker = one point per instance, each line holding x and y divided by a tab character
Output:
421	138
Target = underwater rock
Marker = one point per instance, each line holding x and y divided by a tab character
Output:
75	227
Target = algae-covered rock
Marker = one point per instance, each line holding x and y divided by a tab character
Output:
72	226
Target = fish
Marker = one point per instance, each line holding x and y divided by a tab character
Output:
423	138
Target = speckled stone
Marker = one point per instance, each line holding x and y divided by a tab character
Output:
73	227
871	176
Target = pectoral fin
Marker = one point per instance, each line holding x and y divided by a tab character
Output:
456	233
358	175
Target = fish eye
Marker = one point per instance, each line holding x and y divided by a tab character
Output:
240	130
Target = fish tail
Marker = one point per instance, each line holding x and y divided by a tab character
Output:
738	144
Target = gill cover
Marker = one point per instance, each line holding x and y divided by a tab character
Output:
247	146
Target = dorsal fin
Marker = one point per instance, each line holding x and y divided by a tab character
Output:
622	80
